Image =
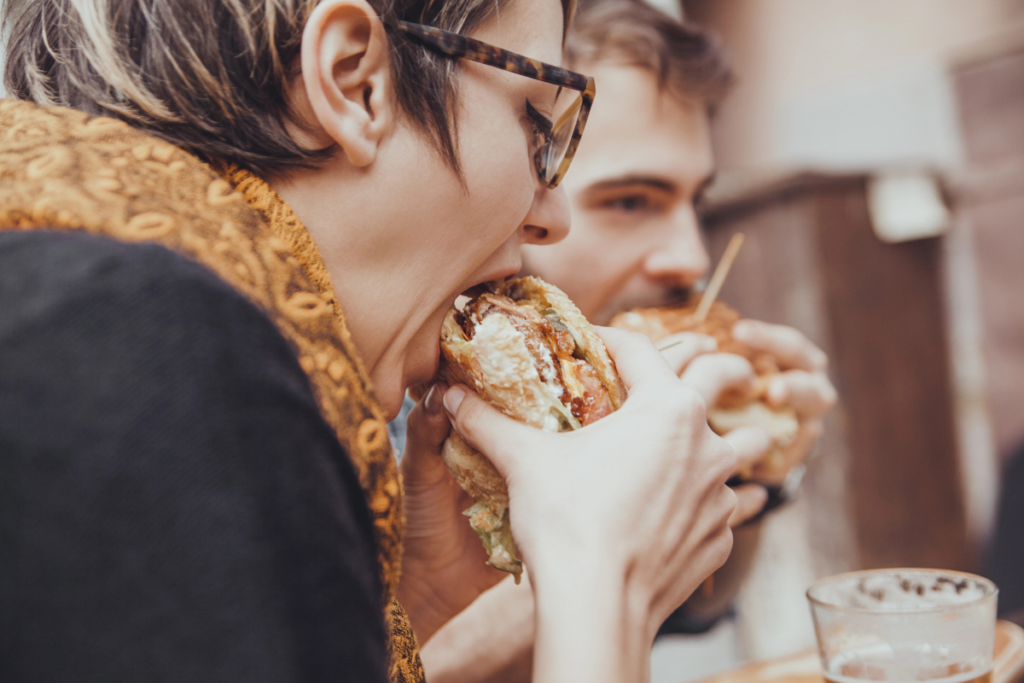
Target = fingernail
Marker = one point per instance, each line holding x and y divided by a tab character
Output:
453	399
434	401
777	392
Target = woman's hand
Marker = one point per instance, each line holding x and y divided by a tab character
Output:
443	563
618	522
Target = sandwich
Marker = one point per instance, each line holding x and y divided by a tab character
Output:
735	409
525	348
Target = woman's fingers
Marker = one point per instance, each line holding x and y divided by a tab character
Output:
808	393
789	346
635	357
750	500
682	348
497	436
714	374
426	429
751	444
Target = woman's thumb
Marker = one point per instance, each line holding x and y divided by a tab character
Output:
497	436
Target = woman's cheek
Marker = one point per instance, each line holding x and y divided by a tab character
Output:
510	187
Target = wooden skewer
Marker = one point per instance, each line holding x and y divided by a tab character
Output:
670	344
718	279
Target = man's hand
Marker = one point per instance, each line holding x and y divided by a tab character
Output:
803	385
443	562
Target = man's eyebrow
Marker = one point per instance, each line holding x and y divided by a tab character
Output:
705	184
631	180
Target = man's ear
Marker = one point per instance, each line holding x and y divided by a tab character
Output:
346	73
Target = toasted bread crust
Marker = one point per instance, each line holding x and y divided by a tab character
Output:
473	472
733	412
658	323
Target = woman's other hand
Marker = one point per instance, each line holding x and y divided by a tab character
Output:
618	522
443	563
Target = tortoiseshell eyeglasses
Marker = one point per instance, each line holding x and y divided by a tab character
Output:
561	137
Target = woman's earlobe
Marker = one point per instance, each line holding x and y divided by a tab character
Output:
346	75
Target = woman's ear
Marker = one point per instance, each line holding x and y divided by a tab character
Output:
346	73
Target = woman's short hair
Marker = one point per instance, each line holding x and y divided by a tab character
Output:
688	60
210	75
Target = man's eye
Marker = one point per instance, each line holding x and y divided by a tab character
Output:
631	203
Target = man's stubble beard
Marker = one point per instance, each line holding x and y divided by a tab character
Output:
651	298
626	298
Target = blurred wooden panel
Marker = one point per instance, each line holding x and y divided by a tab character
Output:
888	324
877	310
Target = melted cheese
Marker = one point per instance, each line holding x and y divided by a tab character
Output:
572	382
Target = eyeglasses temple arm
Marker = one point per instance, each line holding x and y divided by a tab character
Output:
456	45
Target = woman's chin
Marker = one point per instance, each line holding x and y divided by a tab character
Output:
421	370
427	364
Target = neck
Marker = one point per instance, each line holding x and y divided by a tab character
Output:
383	288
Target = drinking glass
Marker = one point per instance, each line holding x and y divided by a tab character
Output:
905	626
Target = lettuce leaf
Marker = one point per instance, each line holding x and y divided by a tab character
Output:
491	524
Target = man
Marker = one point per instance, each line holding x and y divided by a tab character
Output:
635	242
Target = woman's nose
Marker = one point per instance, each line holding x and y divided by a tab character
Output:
549	218
680	258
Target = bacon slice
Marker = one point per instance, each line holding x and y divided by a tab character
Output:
591	401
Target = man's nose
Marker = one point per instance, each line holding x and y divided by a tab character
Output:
549	219
680	257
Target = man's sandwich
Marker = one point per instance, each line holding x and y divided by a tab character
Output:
734	410
525	348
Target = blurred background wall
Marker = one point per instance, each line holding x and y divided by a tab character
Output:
873	153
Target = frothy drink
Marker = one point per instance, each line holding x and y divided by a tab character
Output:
905	626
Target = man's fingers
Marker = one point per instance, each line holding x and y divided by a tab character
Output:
682	348
496	435
750	500
774	470
635	356
789	346
713	374
808	393
751	445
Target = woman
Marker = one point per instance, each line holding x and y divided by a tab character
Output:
198	359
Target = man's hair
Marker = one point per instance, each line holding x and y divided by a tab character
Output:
687	60
210	75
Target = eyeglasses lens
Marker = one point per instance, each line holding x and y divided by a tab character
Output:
567	112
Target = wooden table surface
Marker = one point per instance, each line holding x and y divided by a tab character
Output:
1008	666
